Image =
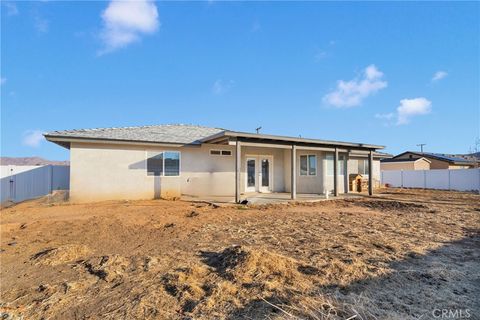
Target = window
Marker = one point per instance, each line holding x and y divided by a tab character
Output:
308	165
172	163
155	165
312	165
363	167
329	159
220	152
164	164
341	164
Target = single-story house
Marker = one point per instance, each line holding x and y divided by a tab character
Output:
166	161
405	164
438	160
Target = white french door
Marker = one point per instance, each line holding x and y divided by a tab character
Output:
259	173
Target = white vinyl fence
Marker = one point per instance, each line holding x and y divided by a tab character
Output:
19	183
444	179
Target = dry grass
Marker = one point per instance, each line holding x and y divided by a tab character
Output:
397	256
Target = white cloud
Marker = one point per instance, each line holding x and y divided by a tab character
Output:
325	52
409	108
351	93
125	21
32	138
220	86
3	81
320	55
439	75
385	116
41	24
12	9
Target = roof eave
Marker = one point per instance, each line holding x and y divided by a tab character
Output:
64	140
236	134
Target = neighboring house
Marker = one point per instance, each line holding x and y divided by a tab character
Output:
405	164
173	160
440	160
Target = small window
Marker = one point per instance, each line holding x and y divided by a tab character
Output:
312	165
155	165
363	167
329	159
308	165
164	164
214	152
341	166
303	165
172	163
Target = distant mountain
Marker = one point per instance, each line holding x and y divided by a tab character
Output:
30	161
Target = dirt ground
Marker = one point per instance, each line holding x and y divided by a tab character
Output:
405	254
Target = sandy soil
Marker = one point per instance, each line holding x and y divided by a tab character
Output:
401	255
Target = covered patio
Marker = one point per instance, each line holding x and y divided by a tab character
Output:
253	148
269	198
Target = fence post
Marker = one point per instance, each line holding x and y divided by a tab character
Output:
51	178
449	183
478	180
401	178
424	179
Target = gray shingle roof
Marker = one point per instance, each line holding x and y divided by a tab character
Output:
451	158
170	133
180	134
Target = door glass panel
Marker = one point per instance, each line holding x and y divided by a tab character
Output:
265	172
251	173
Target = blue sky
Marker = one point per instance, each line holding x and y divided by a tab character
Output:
394	74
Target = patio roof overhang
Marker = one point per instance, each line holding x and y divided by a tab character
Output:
231	137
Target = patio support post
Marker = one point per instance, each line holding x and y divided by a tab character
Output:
238	162
293	172
335	172
346	158
370	173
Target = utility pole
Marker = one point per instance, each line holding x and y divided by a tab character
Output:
258	129
421	146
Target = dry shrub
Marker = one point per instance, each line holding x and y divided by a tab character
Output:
388	205
246	265
108	268
61	255
237	276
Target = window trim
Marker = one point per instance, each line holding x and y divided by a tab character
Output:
163	171
308	165
221	153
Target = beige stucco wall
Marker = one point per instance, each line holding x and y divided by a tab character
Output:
305	184
278	164
353	169
107	172
422	164
397	165
101	172
459	167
